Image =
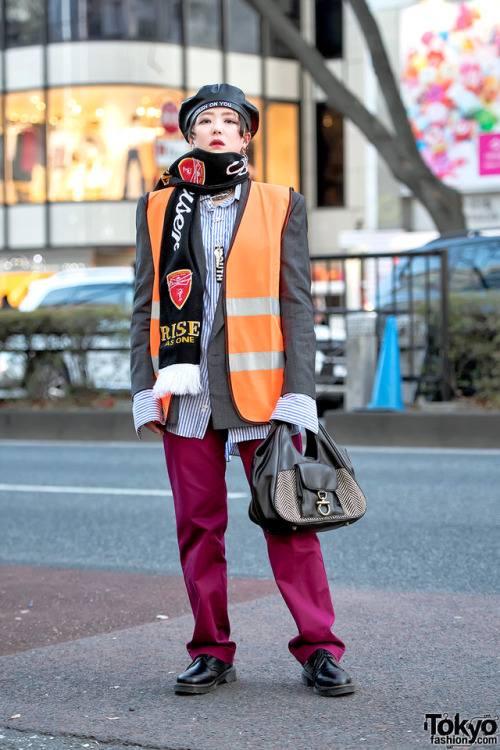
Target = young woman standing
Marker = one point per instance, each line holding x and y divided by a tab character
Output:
222	344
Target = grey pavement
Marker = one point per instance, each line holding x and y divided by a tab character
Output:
410	654
415	588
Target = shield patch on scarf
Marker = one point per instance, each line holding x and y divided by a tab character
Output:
179	286
192	170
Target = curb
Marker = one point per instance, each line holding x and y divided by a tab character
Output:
415	429
371	428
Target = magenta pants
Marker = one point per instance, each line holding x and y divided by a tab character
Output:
196	470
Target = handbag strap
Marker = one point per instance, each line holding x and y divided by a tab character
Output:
312	449
311	444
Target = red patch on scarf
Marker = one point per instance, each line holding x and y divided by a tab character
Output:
192	170
179	286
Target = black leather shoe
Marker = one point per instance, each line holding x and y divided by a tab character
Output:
204	675
325	674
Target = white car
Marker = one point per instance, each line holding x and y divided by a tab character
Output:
111	285
106	365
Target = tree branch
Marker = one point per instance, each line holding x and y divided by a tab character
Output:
338	96
385	76
399	150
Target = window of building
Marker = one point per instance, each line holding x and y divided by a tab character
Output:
330	156
141	19
2	186
106	19
291	8
329	27
25	147
110	142
67	20
148	20
204	23
170	21
282	144
2	27
255	147
114	142
243	27
24	22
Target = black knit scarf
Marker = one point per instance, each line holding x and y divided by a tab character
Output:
181	288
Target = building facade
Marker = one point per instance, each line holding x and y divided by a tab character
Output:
90	94
90	91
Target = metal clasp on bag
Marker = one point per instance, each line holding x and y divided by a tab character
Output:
323	502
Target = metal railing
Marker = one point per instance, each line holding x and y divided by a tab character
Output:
412	286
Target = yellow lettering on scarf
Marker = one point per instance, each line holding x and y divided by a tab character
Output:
178	331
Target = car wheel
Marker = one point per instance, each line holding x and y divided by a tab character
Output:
49	380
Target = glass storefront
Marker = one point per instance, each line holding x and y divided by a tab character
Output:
243	32
330	156
282	144
108	142
113	142
24	22
255	150
291	8
35	21
329	28
89	143
25	158
149	20
204	23
2	183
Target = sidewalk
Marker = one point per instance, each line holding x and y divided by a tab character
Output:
409	654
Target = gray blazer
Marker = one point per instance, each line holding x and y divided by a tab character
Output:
295	306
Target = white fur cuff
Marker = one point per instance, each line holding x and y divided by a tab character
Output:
181	379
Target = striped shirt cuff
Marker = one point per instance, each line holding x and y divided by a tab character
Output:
146	408
297	408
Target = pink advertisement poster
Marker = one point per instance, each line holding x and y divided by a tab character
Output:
450	83
489	154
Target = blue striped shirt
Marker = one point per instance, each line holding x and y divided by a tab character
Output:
217	223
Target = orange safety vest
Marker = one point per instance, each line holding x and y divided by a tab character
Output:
254	339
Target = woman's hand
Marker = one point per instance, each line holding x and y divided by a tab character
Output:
155	427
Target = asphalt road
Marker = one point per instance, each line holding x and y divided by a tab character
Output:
88	559
431	525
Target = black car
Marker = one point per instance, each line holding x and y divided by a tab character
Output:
473	267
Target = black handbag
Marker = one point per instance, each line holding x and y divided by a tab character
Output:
292	492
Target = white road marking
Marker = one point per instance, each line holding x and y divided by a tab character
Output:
56	489
151	446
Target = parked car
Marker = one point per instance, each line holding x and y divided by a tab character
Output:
105	366
107	369
398	286
110	285
473	268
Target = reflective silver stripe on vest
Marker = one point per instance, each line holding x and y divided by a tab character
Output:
256	361
252	306
155	310
156	363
